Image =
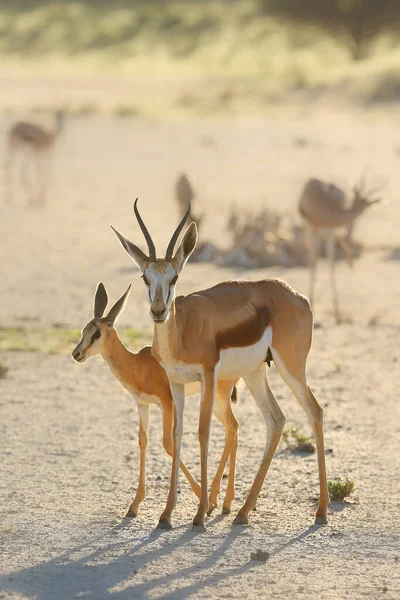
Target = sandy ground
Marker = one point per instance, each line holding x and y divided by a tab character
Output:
69	455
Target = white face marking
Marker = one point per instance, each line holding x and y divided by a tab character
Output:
160	278
236	362
90	344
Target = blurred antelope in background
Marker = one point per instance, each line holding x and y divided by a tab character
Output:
32	141
324	209
184	193
141	375
221	334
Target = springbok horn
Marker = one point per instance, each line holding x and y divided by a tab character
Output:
150	243
171	245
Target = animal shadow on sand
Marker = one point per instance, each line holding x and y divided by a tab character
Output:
94	574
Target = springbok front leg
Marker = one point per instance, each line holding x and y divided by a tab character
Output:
169	448
223	412
313	241
40	195
206	409
275	421
8	175
331	242
144	413
297	382
178	394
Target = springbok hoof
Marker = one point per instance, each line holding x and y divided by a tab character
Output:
211	509
240	520
164	525
321	520
198	521
131	514
226	510
198	528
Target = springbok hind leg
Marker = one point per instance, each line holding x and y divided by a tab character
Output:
298	385
223	412
275	422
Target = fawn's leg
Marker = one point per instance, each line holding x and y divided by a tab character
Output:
167	414
206	410
144	413
178	394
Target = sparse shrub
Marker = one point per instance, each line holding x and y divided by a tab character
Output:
295	440
339	490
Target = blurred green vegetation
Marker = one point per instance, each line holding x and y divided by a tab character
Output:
58	339
249	40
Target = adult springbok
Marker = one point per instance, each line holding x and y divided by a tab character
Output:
33	140
323	207
184	192
142	376
224	333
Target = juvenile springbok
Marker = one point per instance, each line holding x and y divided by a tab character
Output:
33	140
224	333
323	208
142	376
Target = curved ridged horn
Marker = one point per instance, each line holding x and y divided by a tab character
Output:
150	243
171	245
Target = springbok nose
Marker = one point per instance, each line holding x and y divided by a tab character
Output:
75	354
159	315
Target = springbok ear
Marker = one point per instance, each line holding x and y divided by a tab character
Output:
134	252
100	301
117	308
186	247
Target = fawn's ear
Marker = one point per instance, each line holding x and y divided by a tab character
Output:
117	308
100	301
134	252
186	247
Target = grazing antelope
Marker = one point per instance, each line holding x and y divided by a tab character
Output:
184	194
323	208
224	333
142	376
34	140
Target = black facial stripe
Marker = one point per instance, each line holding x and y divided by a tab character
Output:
95	336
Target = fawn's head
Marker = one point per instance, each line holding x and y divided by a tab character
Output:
161	274
363	196
97	332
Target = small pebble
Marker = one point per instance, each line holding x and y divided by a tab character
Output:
260	555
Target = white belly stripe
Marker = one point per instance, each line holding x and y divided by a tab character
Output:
236	362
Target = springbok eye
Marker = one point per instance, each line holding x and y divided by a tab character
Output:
96	335
174	280
146	281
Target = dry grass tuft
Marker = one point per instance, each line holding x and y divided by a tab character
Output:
296	440
339	490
